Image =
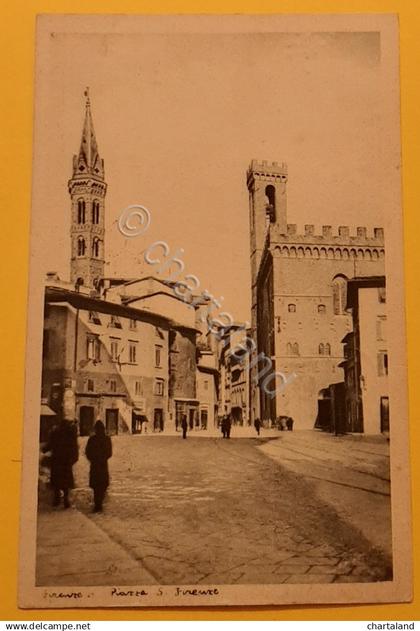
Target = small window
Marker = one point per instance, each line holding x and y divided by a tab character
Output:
90	385
81	247
322	309
114	350
293	349
159	387
132	353
206	385
133	324
81	211
324	349
94	318
339	295
158	356
291	308
382	363
95	212
138	388
95	247
93	348
382	294
113	385
115	322
381	328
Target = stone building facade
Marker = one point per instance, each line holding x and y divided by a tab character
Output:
207	388
234	374
157	297
299	285
106	360
366	357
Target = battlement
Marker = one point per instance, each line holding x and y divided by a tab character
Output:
338	245
340	236
264	168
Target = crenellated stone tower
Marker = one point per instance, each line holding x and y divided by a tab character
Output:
87	190
299	284
267	190
267	203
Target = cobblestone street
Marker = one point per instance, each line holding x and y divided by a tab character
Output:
207	511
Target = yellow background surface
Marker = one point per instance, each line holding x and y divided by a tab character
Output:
17	44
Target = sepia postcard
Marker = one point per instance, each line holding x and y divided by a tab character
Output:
216	397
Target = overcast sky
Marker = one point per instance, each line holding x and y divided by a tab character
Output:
179	117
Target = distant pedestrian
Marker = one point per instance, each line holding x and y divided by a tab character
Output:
289	423
282	423
62	443
184	426
98	451
257	425
228	426
223	426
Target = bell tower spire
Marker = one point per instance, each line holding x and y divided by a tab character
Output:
87	189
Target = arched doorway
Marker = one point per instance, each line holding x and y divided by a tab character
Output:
237	415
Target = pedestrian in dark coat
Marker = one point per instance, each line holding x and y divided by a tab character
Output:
62	443
257	425
184	426
98	451
228	426
223	426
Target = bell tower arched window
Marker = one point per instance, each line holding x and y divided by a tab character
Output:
81	211
81	246
339	294
95	247
270	207
95	211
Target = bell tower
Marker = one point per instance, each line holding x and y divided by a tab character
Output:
266	184
87	189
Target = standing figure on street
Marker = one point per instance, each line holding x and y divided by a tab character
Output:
223	426
228	426
62	443
184	426
257	425
98	451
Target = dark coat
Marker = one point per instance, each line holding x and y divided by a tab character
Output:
62	443
98	451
